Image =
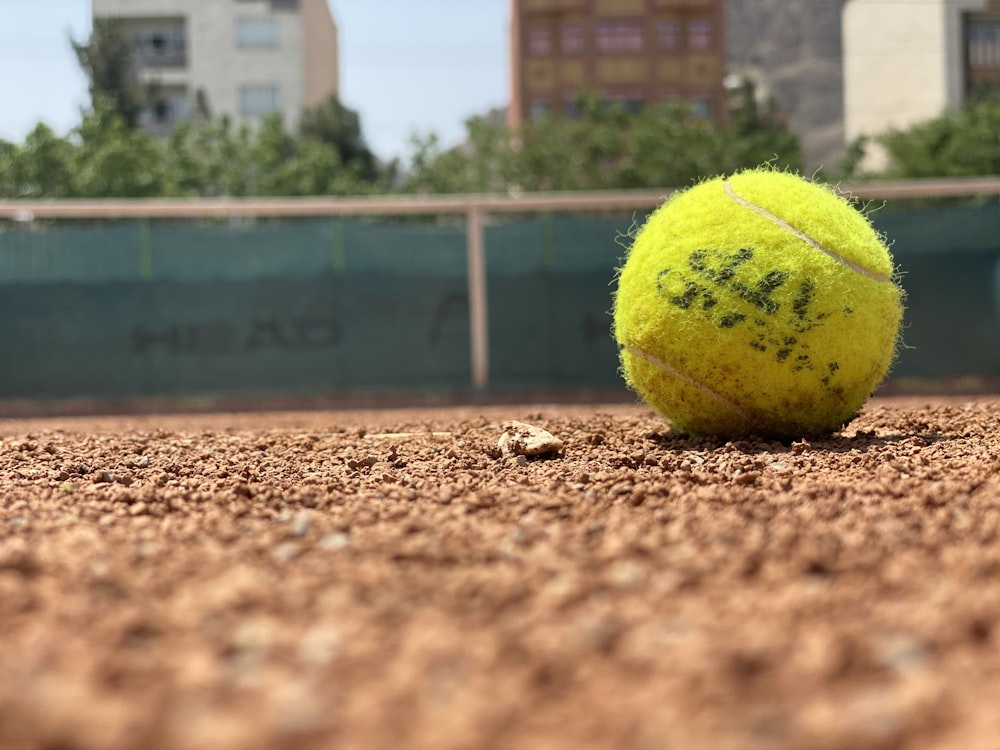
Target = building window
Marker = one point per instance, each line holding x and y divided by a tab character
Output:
539	41
633	106
539	109
572	109
984	43
618	36
256	101
572	39
164	111
631	100
982	54
257	33
668	34
161	47
700	36
701	106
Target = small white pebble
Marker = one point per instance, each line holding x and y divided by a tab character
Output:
521	439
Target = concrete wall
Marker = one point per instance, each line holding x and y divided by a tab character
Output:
793	53
903	63
320	52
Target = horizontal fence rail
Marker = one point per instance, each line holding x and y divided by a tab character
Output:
475	208
183	208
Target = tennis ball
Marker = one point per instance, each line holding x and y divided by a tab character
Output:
761	303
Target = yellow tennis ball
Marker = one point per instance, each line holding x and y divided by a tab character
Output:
761	303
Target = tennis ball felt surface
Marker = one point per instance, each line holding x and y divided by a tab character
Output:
760	303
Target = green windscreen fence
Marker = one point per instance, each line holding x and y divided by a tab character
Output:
550	285
949	263
303	308
315	307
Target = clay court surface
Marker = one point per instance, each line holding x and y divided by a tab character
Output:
385	579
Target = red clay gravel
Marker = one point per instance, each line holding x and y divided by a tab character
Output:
388	580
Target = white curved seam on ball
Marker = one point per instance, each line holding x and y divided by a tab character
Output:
802	235
722	401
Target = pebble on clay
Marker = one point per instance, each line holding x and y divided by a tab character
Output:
521	439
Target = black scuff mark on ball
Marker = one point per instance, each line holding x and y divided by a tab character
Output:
685	301
802	362
659	280
692	292
832	368
759	295
729	320
698	262
804	298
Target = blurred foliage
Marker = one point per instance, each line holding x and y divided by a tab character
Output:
109	159
334	124
106	60
41	168
955	144
104	158
605	148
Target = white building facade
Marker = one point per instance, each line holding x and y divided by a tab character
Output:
905	62
242	58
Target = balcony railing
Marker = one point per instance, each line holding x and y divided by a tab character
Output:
161	48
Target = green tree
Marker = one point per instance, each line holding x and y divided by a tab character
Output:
106	59
850	167
955	144
583	153
220	159
10	155
284	164
487	162
41	168
669	147
340	127
111	160
101	158
104	158
757	132
214	159
603	148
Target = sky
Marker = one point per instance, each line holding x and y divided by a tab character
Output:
406	66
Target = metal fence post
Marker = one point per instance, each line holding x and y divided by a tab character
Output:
478	310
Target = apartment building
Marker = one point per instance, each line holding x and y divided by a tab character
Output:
907	62
246	58
633	52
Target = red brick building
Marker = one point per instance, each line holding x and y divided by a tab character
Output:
634	52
